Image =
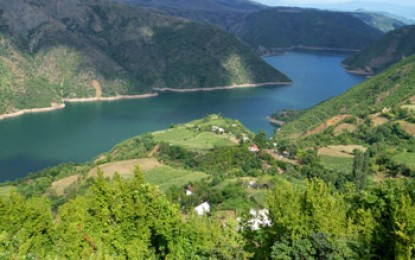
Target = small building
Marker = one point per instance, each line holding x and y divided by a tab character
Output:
189	190
253	148
202	209
260	219
215	128
220	131
245	138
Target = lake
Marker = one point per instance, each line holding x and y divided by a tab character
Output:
83	130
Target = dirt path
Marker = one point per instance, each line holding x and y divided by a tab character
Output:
98	89
278	157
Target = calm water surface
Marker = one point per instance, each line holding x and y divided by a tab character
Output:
81	131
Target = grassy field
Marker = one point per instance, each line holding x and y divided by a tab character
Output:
341	151
410	107
405	158
59	186
5	191
337	163
166	177
126	168
408	127
203	141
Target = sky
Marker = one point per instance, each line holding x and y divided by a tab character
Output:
401	8
305	2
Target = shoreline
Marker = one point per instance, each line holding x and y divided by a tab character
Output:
57	106
275	121
359	72
280	51
115	98
187	90
53	107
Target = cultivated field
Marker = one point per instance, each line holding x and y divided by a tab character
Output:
405	158
344	164
195	141
165	176
5	191
125	168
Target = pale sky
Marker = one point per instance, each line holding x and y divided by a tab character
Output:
306	2
402	8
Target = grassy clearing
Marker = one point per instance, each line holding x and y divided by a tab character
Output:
341	151
342	128
405	158
260	197
126	168
166	176
378	120
59	186
410	107
408	127
5	191
337	163
203	141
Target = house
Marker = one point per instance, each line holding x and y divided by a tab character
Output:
253	148
260	219
202	209
245	138
189	190
218	130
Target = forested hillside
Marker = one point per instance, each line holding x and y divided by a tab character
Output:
282	28
392	88
386	51
262	206
73	49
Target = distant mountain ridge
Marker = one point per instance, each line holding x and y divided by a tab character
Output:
387	50
288	27
50	50
264	28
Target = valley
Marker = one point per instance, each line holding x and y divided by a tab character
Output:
206	129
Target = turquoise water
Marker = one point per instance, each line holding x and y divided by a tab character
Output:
81	131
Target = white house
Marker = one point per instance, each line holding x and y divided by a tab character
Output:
203	208
260	219
245	138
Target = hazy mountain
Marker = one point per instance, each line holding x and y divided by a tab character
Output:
285	27
389	49
379	21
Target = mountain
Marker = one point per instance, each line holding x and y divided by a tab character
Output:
283	28
51	50
387	50
265	28
392	88
221	13
379	21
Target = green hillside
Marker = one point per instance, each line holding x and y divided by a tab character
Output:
282	28
392	88
131	203
387	50
68	45
379	21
